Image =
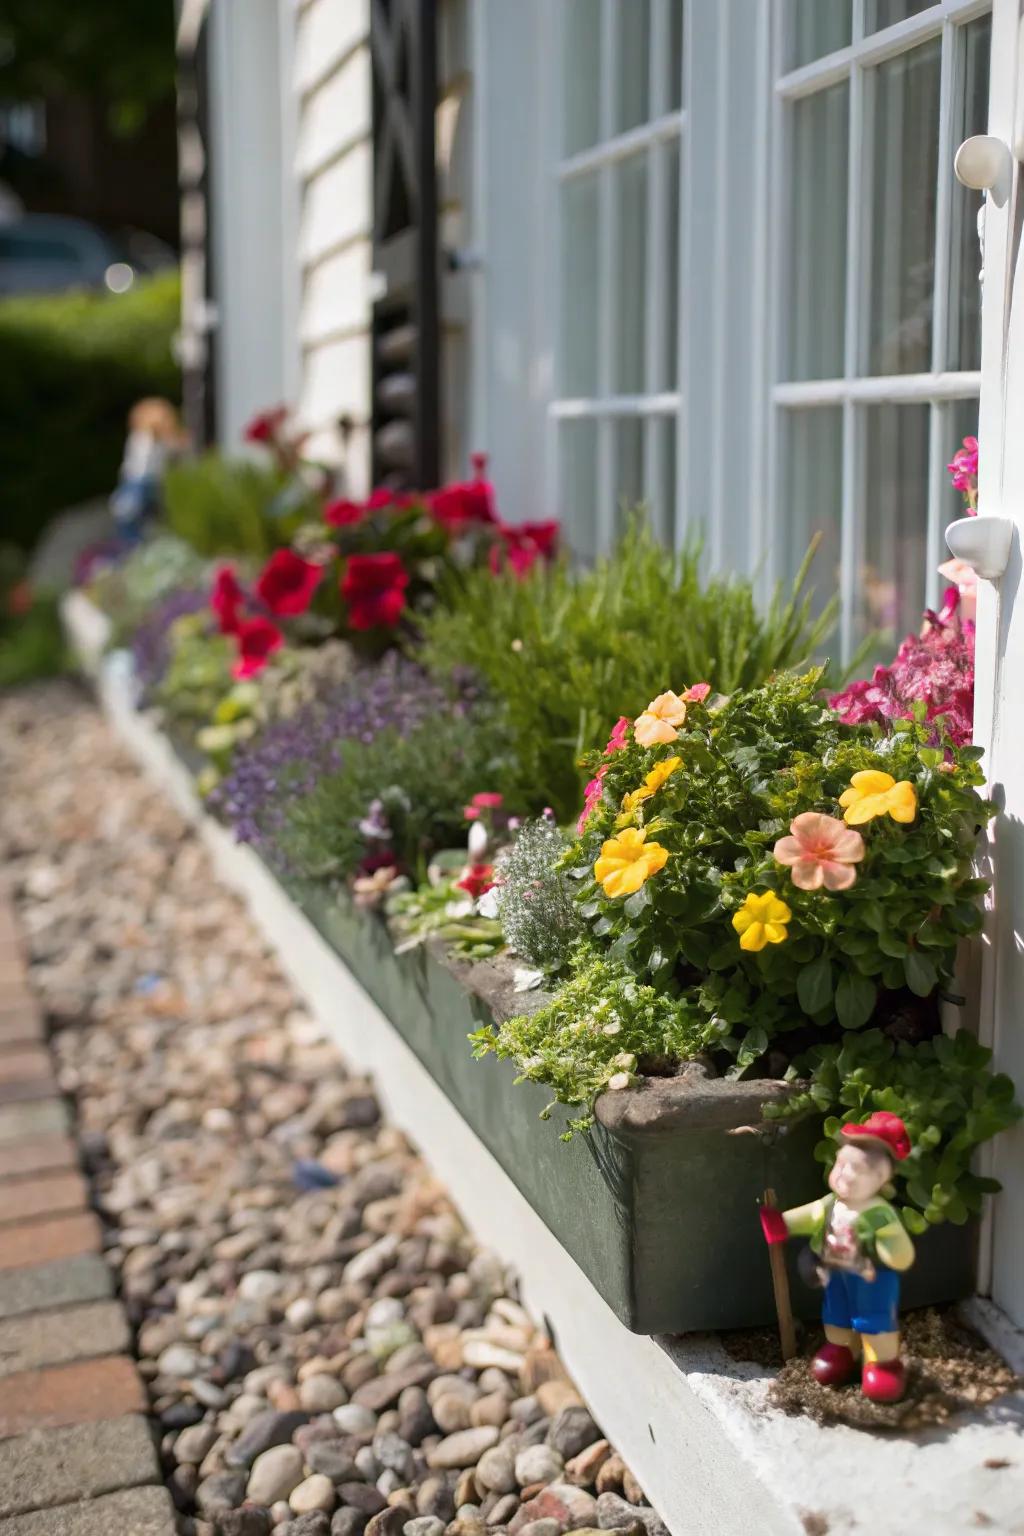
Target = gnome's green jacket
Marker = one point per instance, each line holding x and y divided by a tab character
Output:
879	1230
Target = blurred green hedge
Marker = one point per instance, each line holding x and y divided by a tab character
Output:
73	365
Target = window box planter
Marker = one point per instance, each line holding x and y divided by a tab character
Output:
657	1204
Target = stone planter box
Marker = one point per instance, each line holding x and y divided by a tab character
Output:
657	1204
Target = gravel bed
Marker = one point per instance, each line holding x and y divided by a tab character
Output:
327	1352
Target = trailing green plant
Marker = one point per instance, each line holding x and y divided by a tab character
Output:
539	917
198	674
439	909
784	880
74	365
564	651
222	506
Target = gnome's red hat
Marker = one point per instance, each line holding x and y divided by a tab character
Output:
883	1130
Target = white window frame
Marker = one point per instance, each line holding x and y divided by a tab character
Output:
938	388
606	408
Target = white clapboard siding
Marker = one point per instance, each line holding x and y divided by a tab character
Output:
336	206
335	296
326	32
336	381
336	115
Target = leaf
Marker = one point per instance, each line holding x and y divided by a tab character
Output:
814	985
637	903
855	999
922	977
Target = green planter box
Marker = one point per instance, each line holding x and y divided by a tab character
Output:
657	1204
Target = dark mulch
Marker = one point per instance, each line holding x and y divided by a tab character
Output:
951	1371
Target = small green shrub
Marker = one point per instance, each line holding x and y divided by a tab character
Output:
74	364
226	506
129	591
566	653
539	918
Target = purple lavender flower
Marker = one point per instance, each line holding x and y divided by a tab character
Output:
291	756
151	641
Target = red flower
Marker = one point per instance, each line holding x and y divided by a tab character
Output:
264	427
379	498
374	588
476	879
20	598
524	544
257	641
287	583
226	599
456	507
342	514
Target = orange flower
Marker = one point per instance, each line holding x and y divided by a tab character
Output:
872	793
627	861
659	720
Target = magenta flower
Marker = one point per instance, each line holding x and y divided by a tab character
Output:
821	851
617	739
591	798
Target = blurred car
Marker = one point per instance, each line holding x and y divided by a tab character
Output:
45	253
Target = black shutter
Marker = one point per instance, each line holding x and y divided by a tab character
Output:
197	381
406	326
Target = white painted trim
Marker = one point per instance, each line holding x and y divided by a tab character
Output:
664	404
693	1423
881	390
660	131
877	47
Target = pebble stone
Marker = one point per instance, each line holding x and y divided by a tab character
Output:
326	1350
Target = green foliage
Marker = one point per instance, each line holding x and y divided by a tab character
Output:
437	909
74	364
539	918
198	675
129	591
31	638
234	506
601	1029
749	765
422	778
564	653
943	1091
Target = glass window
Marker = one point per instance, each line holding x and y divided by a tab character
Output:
815	28
816	299
812	495
580	206
577	481
886	13
633	64
891	570
629	362
674	55
965	259
582	51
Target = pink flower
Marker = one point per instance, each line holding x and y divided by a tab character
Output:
591	798
344	514
287	583
965	579
257	641
617	739
697	694
522	545
374	589
485	801
963	469
820	852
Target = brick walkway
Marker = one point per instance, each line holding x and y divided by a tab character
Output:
76	1454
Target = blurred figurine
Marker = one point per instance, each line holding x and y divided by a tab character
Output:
155	435
861	1248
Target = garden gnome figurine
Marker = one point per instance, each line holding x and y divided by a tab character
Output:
154	435
862	1248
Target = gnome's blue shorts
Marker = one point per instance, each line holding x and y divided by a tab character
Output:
866	1306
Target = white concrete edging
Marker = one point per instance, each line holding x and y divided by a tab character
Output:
692	1422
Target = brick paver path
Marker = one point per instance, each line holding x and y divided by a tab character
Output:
77	1457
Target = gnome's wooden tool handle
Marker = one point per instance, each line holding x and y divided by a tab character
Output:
780	1285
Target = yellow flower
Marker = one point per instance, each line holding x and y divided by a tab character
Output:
761	920
872	794
653	782
627	861
659	720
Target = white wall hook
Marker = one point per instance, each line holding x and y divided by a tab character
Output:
982	542
984	164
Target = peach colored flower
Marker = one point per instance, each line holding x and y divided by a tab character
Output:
821	851
659	720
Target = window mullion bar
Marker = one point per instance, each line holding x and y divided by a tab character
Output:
656	263
944	199
607	287
938	417
881	389
855	292
621	145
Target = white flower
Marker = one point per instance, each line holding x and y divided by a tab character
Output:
612	1029
488	904
620	1080
526	981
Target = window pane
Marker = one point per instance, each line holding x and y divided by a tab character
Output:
668	372
885	13
582	74
632	96
577	482
905	168
628	360
812	500
580	306
629	466
891	570
816	303
964	287
816	27
675	54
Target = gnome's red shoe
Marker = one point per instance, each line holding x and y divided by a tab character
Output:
833	1365
884	1381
